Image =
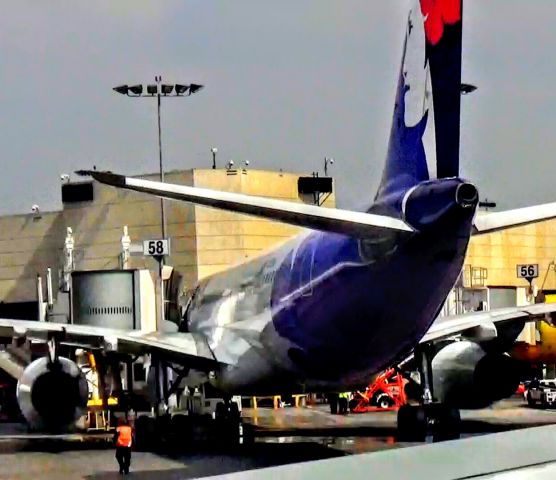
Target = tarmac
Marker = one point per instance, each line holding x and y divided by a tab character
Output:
283	436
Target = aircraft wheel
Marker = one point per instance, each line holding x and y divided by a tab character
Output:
412	423
247	434
234	411
447	423
221	412
227	424
181	432
145	433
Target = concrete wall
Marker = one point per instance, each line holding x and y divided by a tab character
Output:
28	244
500	252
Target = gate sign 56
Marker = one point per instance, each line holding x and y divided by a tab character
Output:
528	271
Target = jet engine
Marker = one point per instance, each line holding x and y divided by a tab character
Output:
52	395
465	376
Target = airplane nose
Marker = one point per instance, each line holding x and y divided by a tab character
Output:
467	195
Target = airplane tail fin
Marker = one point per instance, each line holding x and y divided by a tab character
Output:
425	134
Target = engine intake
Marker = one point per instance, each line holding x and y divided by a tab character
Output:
465	376
52	396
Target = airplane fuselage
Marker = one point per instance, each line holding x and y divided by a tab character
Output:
327	310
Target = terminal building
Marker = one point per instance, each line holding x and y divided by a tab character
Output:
203	241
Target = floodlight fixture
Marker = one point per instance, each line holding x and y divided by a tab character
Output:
166	89
181	89
467	88
121	89
152	89
136	89
194	88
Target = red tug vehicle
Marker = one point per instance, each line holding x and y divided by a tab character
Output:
387	392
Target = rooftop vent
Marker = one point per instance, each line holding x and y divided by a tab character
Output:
77	192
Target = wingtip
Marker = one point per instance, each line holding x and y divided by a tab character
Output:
108	178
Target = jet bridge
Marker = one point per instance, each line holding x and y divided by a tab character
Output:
121	299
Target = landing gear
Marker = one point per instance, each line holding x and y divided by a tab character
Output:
184	432
446	422
412	423
415	421
187	413
227	423
145	433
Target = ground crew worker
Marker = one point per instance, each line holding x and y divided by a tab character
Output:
123	439
333	401
343	401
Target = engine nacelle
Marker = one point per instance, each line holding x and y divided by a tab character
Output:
465	376
52	396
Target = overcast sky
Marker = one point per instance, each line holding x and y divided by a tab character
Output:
287	83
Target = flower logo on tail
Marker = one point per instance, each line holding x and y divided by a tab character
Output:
438	13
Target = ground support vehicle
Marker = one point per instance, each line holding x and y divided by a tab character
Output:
385	393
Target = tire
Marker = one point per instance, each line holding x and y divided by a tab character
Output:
384	401
221	412
412	423
145	433
248	434
447	423
181	432
234	411
530	401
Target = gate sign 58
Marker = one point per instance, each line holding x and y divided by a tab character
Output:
156	248
528	271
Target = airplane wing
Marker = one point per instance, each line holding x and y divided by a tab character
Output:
189	348
299	214
493	222
445	327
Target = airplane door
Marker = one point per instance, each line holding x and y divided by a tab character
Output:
307	265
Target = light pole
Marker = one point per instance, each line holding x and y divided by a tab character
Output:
159	90
214	150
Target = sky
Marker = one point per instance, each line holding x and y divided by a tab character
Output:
286	84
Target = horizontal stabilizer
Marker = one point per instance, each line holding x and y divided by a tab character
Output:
446	327
493	222
299	214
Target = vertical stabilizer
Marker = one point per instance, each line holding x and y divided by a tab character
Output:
424	139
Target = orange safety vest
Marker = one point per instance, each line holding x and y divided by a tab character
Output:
124	436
